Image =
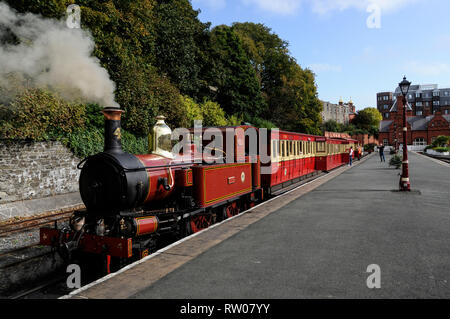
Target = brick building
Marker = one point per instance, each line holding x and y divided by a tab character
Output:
422	129
424	100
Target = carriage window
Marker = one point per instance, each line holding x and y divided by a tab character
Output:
274	149
320	147
280	148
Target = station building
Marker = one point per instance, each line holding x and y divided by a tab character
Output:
423	128
424	100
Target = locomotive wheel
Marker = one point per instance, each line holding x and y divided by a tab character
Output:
187	229
200	222
232	210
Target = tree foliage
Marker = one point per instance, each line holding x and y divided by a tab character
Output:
37	114
231	74
367	118
180	37
164	60
290	91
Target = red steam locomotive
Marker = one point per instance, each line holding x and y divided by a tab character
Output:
135	201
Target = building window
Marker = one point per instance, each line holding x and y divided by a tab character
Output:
446	112
385	98
419	113
385	141
420	141
427	103
435	102
385	106
436	93
446	93
386	115
418	95
418	103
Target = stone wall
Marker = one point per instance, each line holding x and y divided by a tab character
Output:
30	170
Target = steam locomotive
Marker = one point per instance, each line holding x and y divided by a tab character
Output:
134	202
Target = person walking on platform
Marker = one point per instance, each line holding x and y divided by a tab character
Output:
359	152
350	156
381	149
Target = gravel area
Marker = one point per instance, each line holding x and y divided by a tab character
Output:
22	239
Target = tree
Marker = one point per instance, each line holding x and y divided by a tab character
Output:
367	118
332	126
289	90
180	39
231	74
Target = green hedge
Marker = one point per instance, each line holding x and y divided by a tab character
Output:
39	115
441	149
86	142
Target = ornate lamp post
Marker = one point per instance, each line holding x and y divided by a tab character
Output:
404	179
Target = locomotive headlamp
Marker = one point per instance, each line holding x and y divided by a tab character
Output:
162	138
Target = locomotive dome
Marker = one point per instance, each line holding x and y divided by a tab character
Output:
162	138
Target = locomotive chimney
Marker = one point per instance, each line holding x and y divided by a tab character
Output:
113	134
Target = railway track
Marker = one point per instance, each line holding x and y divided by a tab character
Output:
39	290
14	226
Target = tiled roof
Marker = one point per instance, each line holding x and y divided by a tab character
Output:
384	126
419	123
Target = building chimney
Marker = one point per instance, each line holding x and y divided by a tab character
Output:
113	133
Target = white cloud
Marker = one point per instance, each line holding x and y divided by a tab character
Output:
325	67
276	6
325	6
213	4
432	69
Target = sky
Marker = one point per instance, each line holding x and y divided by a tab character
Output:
356	48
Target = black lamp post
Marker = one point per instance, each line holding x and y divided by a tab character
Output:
404	179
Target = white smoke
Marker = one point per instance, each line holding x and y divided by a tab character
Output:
50	55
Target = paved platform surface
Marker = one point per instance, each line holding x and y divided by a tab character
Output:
317	246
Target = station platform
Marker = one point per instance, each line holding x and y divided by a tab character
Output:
314	242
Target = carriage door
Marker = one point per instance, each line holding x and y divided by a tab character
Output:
284	168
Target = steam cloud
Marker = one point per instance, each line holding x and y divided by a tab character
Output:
45	53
